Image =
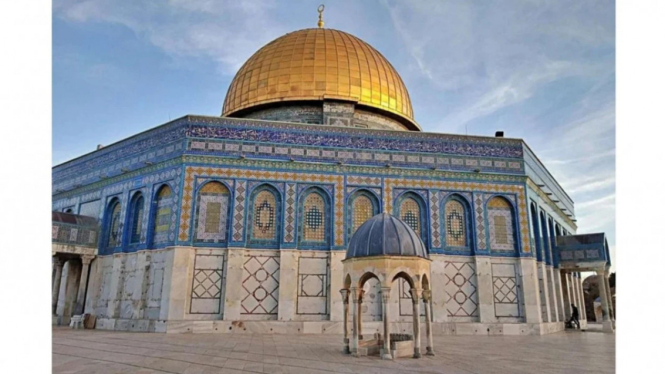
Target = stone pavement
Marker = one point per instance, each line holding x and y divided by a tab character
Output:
96	351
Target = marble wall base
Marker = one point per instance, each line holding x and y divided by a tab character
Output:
322	327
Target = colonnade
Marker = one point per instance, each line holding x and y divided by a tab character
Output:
355	295
606	298
58	265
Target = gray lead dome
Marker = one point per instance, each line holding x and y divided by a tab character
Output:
385	235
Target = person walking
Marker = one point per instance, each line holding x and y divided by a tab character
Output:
575	317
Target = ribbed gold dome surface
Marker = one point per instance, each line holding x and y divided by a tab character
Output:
313	64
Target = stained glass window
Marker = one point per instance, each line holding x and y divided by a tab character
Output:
264	220
409	212
137	220
163	206
500	217
114	226
314	218
362	209
212	216
455	221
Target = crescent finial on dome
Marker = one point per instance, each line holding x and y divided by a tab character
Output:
320	10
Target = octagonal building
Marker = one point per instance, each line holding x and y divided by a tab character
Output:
240	223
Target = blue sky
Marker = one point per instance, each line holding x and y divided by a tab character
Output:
543	71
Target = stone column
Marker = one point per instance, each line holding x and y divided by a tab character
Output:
361	293
427	298
77	319
575	291
607	323
609	294
554	314
582	301
567	296
385	296
559	294
415	297
354	343
55	294
345	300
580	294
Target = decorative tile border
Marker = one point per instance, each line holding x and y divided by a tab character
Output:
238	211
373	157
479	211
363	180
290	216
435	219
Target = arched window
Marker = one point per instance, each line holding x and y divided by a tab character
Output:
314	219
162	208
546	243
501	224
113	238
363	207
212	204
455	222
536	232
550	222
136	218
410	208
265	217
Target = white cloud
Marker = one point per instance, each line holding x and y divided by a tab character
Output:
227	32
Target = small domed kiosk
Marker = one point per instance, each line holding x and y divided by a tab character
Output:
387	249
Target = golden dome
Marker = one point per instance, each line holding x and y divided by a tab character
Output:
317	64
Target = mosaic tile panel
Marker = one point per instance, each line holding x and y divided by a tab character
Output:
238	211
164	204
290	216
362	209
211	225
455	224
313	224
136	223
207	284
312	286
500	220
461	289
434	219
409	212
260	285
506	293
264	216
90	208
114	234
